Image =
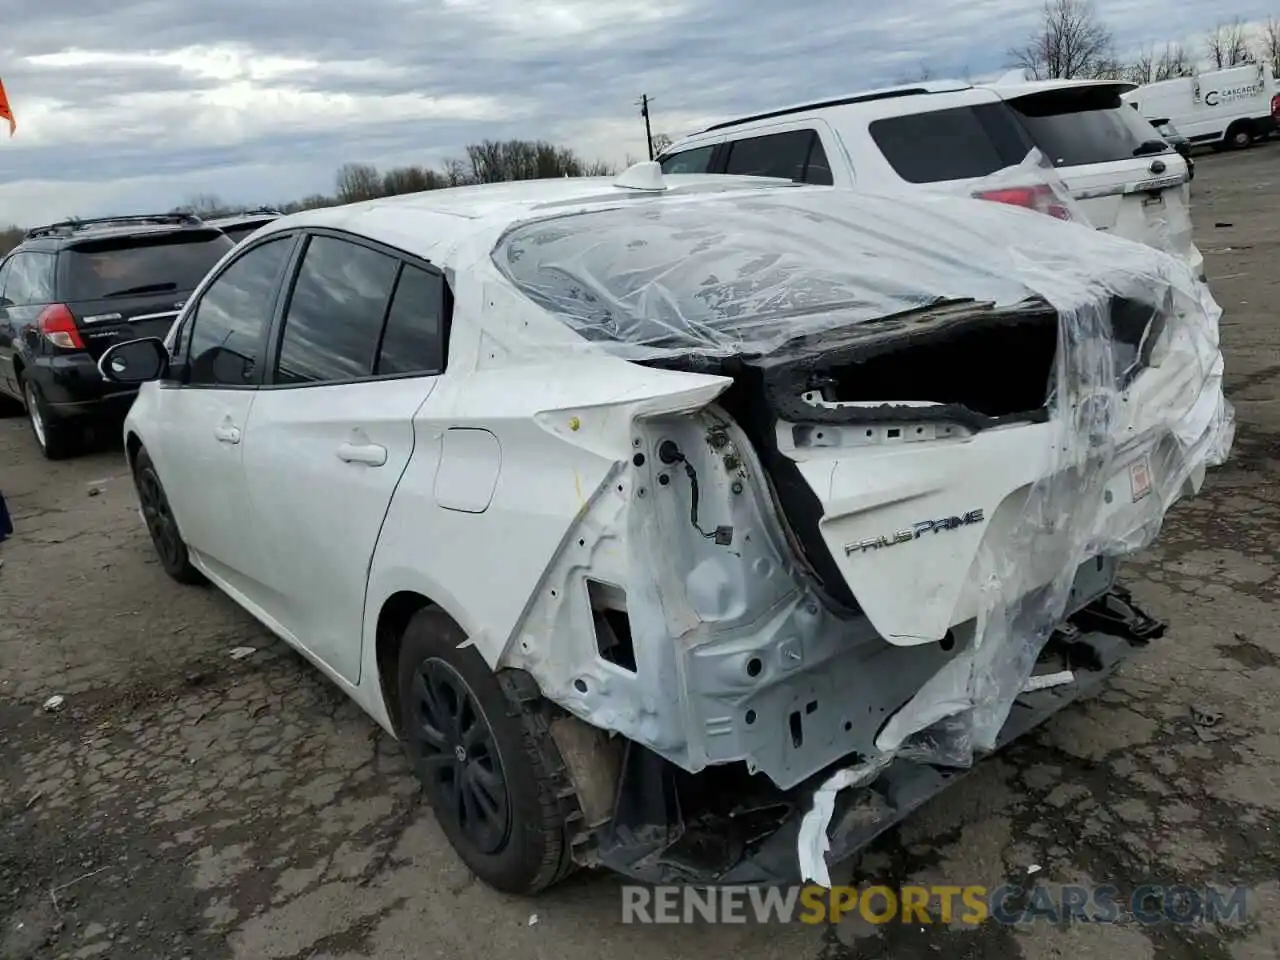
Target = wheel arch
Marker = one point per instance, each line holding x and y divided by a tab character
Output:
393	617
1243	124
132	444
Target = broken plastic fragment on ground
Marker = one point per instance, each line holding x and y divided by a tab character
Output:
814	844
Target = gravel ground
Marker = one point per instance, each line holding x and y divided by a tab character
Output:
185	804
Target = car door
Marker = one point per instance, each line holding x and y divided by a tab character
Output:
357	352
202	413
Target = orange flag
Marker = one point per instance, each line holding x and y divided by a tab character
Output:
6	111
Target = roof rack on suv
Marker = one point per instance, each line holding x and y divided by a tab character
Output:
866	97
69	226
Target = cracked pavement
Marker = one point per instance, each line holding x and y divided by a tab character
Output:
186	804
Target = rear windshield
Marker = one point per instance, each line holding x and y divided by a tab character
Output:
734	275
141	265
1071	127
1080	126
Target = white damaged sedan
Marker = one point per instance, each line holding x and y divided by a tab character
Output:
700	528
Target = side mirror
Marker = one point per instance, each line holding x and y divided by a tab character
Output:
136	361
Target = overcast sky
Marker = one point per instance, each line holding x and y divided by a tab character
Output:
125	104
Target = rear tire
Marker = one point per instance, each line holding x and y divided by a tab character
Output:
488	768
57	441
1239	137
162	524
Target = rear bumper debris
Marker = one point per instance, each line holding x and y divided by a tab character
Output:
661	834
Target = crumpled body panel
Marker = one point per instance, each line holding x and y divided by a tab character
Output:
1130	422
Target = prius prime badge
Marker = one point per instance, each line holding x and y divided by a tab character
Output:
915	532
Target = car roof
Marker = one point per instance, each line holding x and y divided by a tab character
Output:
1009	87
429	223
75	230
864	96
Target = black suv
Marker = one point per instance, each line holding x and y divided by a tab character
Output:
237	226
72	289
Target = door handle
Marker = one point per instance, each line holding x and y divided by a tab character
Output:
370	454
227	433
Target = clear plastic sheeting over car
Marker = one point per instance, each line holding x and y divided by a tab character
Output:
1132	420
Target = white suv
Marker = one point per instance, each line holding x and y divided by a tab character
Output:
945	135
635	509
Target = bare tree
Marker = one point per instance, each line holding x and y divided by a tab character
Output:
1142	69
921	74
204	205
660	142
312	201
10	237
411	180
358	181
494	161
1152	65
1228	44
1071	42
1271	43
1175	61
455	172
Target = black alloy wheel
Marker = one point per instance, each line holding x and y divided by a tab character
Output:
454	748
159	519
166	536
479	742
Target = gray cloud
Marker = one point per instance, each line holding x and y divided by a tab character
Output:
495	68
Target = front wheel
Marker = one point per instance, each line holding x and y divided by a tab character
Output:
489	775
161	523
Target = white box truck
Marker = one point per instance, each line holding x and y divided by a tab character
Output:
1226	109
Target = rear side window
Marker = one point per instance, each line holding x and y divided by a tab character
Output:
786	155
231	319
960	143
697	160
30	279
1080	126
334	318
413	341
141	265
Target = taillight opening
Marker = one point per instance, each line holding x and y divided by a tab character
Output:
1039	198
58	327
1275	106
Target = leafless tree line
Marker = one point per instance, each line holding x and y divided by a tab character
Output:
1072	41
490	161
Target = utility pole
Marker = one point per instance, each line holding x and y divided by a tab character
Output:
644	112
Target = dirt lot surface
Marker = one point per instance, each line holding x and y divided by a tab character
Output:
186	804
